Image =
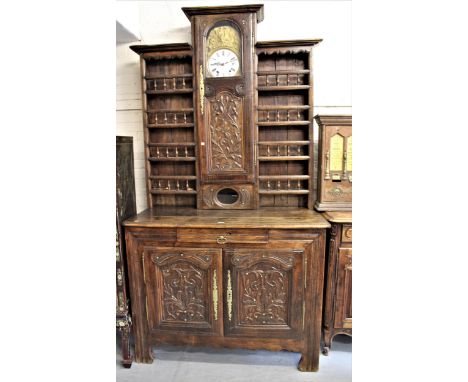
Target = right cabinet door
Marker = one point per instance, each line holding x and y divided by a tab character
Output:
264	291
343	308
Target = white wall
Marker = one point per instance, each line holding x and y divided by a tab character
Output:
163	22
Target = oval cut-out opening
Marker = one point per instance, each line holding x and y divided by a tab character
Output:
227	196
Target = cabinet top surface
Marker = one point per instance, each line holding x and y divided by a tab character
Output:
338	216
286	218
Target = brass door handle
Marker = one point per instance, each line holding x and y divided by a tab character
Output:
221	239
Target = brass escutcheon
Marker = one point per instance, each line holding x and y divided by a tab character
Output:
221	240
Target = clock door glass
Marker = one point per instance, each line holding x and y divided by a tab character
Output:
223	63
223	51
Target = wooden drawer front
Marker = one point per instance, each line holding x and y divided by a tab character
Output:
222	236
347	233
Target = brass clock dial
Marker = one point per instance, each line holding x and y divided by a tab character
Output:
223	63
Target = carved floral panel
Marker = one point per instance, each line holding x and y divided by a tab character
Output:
226	132
184	288
264	295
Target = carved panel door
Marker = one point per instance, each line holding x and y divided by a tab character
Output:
264	292
343	309
183	289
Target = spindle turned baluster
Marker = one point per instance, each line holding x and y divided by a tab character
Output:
183	83
157	152
278	185
177	184
287	79
268	116
187	186
266	77
175	83
176	152
287	113
298	115
155	85
168	187
165	118
268	185
185	117
167	152
159	184
287	150
268	151
164	84
298	184
156	118
186	152
175	117
278	151
277	115
289	184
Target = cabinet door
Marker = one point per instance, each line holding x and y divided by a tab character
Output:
343	308
264	292
183	289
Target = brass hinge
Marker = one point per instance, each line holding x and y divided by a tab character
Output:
143	266
229	295
215	295
202	90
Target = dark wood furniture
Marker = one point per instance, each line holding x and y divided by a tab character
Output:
337	313
335	164
222	278
125	207
230	252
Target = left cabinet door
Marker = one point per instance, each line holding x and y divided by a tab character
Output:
183	289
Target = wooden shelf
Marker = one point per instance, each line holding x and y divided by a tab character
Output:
171	111
283	143
172	144
284	158
283	192
170	91
282	88
284	123
168	125
172	159
283	177
282	107
173	177
281	72
173	192
158	76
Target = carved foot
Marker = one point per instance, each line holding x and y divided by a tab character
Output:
127	364
307	364
144	357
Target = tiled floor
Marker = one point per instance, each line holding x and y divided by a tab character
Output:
182	364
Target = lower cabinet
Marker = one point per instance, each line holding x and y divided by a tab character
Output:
256	291
337	317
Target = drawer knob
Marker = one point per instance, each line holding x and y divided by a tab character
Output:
221	240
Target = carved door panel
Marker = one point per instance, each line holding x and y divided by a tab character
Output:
343	309
183	289
264	292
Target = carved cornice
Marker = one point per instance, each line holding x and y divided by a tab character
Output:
336	120
286	46
140	49
250	8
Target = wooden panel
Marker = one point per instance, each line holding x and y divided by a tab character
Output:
264	289
182	286
222	236
343	303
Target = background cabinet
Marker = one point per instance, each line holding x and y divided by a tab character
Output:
337	318
125	207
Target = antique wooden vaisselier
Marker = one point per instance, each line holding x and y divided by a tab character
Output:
230	252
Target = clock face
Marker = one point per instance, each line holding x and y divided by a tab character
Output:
223	63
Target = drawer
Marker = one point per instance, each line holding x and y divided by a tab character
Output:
222	236
347	233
